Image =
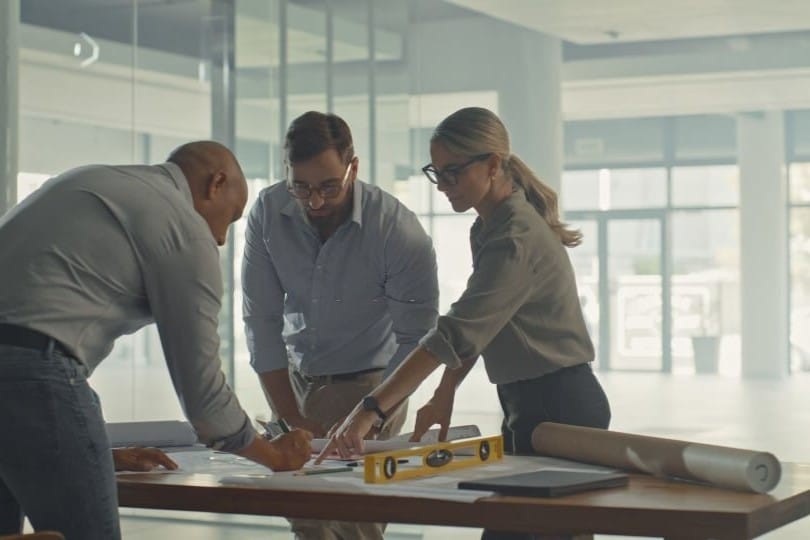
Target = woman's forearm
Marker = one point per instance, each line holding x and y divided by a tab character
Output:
451	378
406	378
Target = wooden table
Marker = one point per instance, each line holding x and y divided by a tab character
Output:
647	507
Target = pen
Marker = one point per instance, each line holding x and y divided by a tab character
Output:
308	472
283	425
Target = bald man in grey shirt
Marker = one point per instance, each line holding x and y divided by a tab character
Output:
96	253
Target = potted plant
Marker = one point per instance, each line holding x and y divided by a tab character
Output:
706	341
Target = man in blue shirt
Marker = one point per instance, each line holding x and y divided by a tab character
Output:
339	284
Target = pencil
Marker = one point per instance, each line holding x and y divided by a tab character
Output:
358	463
308	472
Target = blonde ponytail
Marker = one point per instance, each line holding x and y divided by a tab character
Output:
475	131
543	198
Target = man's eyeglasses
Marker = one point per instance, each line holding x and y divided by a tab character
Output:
449	175
328	189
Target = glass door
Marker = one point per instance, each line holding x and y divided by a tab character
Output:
585	260
635	307
624	284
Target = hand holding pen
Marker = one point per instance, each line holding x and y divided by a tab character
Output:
300	422
293	445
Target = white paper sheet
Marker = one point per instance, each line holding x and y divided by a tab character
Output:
401	442
440	486
160	434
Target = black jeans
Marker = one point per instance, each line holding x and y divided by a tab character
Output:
567	396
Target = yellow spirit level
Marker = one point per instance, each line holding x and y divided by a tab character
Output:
384	467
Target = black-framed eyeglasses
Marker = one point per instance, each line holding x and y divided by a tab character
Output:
449	175
328	189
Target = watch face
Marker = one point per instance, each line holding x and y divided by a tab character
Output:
369	403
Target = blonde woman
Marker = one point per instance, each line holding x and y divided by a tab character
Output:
520	310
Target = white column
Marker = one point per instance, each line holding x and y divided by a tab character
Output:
763	245
9	99
478	55
530	103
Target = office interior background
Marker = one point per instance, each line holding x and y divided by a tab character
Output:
677	133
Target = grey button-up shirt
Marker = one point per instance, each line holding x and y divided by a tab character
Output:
520	309
101	251
360	300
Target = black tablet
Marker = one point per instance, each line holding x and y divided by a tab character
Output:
547	483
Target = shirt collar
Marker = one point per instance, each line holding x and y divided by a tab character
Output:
357	209
179	180
501	213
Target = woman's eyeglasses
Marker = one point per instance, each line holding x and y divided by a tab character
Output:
449	175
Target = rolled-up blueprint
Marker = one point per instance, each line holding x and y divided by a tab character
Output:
717	465
162	434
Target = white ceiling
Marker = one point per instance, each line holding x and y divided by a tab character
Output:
611	21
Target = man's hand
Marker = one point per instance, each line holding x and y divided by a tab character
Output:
141	459
293	448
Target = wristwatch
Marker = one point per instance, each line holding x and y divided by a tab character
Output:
370	403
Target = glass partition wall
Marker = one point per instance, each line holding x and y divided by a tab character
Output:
657	198
125	82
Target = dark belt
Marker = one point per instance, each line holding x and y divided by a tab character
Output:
339	376
17	336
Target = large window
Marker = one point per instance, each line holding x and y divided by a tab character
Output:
798	150
659	269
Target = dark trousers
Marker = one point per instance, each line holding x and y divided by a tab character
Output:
567	396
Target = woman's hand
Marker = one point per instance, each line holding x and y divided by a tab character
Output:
141	459
347	438
438	410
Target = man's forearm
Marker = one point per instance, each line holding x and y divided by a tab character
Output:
280	394
263	452
284	453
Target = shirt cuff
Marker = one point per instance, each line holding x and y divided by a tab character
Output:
267	353
436	343
236	442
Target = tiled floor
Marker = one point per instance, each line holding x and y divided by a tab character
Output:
758	414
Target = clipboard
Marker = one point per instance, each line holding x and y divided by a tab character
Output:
548	482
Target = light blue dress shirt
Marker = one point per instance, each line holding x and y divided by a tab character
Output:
361	300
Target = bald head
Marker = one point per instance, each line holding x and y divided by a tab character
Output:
217	184
200	159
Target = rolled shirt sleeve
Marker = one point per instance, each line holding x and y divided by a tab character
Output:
411	289
184	290
503	278
262	298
